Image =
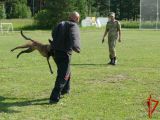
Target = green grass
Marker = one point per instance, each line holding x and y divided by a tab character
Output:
19	24
98	91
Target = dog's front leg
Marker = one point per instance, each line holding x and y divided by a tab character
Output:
14	49
49	65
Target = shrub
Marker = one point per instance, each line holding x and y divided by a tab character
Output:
42	19
130	24
58	10
2	12
17	9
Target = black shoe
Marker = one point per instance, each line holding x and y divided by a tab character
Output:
111	61
54	101
64	92
114	61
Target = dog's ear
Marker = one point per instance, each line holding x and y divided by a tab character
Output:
50	41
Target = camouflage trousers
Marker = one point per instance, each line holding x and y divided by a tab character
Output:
111	46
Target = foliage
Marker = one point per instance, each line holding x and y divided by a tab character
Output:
130	24
99	7
58	10
21	11
2	11
124	9
42	19
81	8
17	9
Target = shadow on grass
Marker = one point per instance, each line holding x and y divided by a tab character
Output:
6	106
89	64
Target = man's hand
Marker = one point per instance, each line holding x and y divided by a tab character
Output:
77	50
102	40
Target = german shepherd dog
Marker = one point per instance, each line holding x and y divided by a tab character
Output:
44	49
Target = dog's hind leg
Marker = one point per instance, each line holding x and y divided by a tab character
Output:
50	68
25	51
18	47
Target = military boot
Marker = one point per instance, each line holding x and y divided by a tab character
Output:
111	59
114	61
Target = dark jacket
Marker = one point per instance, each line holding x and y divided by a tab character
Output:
66	37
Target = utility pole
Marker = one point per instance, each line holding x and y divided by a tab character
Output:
33	7
157	15
140	20
109	5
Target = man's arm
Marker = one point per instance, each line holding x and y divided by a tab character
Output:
75	37
105	33
119	31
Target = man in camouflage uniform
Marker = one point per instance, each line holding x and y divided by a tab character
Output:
113	28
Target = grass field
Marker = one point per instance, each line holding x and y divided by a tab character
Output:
18	24
98	91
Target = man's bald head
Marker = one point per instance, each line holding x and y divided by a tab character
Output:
74	16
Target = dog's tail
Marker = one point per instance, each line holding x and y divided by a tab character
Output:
26	37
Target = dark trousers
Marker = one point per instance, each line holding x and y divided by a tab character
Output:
62	83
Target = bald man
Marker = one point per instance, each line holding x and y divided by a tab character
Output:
66	38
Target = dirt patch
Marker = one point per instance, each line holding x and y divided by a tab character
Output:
109	79
116	78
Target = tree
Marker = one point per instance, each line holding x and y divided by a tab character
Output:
58	10
126	9
81	7
2	11
17	9
36	5
101	7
